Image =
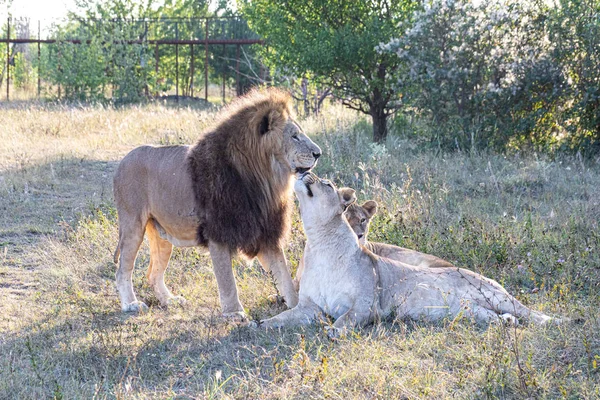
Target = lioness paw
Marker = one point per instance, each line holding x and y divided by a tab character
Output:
336	333
137	307
510	319
276	299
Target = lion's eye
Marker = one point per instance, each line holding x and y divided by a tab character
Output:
362	220
295	137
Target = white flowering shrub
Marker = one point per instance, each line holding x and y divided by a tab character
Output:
483	74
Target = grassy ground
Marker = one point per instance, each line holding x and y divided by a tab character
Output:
526	221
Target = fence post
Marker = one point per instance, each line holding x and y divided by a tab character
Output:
206	61
59	70
156	67
177	61
237	70
224	69
8	58
192	70
39	60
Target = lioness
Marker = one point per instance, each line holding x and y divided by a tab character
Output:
230	192
359	219
348	282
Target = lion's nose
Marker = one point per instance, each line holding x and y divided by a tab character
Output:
316	155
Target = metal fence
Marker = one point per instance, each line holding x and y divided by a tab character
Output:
197	33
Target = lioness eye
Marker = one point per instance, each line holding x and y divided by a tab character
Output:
362	220
295	137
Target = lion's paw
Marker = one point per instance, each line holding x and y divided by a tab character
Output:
236	317
276	299
137	307
175	301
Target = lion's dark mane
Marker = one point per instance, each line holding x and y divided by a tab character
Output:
229	164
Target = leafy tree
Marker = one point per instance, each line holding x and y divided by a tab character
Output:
574	27
334	41
104	59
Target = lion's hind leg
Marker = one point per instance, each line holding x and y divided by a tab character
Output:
131	234
506	304
487	316
160	253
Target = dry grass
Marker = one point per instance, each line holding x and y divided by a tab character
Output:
528	222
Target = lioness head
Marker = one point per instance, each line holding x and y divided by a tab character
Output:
359	218
320	201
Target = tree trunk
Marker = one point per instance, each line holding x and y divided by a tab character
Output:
377	107
305	100
379	124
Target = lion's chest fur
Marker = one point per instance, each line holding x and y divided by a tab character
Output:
245	209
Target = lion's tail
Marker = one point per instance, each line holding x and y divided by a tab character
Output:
117	254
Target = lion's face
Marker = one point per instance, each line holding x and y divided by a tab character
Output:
359	218
319	199
301	152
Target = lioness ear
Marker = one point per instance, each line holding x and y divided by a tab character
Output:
347	196
370	207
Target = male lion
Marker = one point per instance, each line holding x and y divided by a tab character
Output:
348	282
230	192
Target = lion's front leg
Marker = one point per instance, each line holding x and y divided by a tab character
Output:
273	260
230	302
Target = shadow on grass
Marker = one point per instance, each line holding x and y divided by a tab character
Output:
38	197
112	354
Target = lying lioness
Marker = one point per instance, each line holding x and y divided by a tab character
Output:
353	285
359	219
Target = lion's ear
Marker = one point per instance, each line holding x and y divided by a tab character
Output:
269	121
263	127
347	196
370	207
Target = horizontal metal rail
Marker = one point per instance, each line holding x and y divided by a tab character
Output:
228	26
140	41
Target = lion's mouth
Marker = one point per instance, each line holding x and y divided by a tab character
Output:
302	170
